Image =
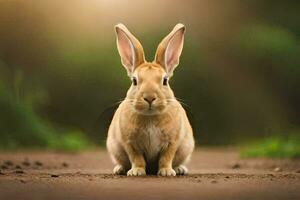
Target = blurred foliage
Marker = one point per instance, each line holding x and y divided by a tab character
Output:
59	67
21	127
263	41
69	141
275	147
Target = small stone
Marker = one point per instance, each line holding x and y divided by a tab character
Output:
226	176
4	167
277	169
22	181
214	181
19	172
54	175
18	167
38	163
298	171
8	163
235	166
64	164
26	163
1	173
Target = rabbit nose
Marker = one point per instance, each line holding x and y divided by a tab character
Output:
149	99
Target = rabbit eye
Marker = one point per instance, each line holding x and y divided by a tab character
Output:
134	81
165	81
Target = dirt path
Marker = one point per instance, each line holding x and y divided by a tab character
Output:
214	174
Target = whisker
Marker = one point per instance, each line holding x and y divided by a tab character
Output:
181	101
106	115
176	100
189	112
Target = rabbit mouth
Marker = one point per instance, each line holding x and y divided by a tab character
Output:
146	109
149	112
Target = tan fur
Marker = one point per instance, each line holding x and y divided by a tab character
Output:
157	140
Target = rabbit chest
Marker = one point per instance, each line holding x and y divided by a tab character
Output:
150	140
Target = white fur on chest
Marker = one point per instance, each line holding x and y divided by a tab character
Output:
150	141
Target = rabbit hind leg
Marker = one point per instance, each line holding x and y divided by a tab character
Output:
119	158
182	156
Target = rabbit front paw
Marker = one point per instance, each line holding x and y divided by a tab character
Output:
181	170
136	171
119	170
166	172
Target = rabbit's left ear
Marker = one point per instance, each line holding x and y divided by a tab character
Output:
169	50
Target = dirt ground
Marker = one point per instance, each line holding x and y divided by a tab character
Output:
214	174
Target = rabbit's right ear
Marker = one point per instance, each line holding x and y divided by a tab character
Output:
130	49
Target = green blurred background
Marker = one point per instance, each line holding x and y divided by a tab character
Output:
61	75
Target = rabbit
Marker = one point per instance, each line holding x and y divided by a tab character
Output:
150	132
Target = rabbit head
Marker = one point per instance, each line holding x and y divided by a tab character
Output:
150	93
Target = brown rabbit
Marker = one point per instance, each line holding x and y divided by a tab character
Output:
150	132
